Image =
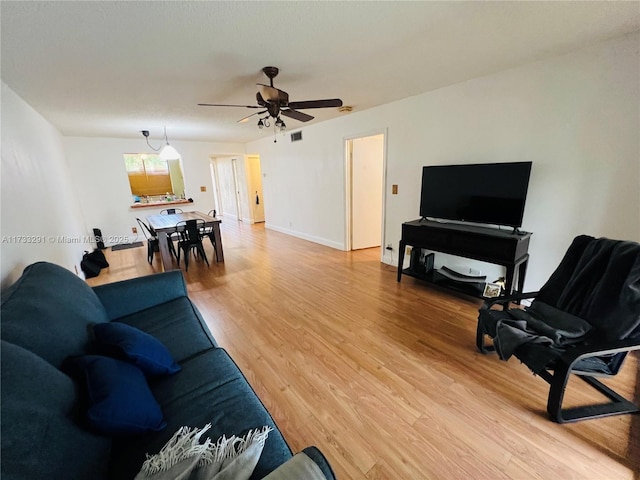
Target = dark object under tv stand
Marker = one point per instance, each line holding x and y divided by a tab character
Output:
500	247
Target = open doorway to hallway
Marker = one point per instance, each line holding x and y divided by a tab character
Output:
237	185
365	191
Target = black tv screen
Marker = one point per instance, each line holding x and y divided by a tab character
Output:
492	193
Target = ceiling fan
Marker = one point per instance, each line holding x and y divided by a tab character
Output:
275	102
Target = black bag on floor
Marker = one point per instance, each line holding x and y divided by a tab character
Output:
92	263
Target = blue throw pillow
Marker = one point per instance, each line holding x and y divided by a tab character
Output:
120	401
143	350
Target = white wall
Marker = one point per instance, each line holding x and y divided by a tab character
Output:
98	172
304	183
39	202
576	117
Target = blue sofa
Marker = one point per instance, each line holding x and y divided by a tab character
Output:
46	317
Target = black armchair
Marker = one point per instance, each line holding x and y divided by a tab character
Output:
583	321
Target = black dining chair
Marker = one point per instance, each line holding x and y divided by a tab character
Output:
209	233
170	211
172	236
191	239
153	244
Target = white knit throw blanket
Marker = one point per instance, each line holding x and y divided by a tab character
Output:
184	458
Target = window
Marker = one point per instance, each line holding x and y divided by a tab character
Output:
150	176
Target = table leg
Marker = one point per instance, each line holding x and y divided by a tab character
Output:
401	250
509	277
522	271
218	239
165	254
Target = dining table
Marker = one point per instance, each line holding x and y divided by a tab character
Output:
165	225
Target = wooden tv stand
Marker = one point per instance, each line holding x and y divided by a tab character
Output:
499	247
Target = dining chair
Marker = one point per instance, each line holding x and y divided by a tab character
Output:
208	232
170	211
172	236
153	244
191	239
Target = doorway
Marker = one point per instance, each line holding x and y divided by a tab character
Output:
365	191
254	181
237	187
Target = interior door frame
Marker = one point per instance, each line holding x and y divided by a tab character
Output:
348	179
236	187
213	166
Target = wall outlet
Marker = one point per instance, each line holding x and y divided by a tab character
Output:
407	250
134	230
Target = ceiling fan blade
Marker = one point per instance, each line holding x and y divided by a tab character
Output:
223	105
261	101
273	94
246	119
333	102
302	117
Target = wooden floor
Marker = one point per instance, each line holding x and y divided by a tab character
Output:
384	377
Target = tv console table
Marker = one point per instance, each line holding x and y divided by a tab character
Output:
499	247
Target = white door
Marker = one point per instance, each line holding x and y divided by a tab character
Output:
367	171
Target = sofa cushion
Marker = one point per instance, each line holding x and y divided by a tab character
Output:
41	433
209	389
120	402
48	311
176	325
127	343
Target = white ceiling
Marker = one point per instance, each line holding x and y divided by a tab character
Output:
111	69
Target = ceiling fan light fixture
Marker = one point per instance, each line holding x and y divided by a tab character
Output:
260	124
280	125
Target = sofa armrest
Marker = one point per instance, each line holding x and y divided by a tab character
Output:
310	464
131	296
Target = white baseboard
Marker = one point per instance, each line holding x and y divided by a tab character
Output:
304	236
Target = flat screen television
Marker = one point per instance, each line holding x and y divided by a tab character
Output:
490	193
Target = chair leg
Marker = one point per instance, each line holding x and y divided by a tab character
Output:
480	333
202	253
149	252
186	259
558	383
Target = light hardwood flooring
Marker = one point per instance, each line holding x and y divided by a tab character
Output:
383	376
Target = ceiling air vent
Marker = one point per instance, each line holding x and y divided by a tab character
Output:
296	136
